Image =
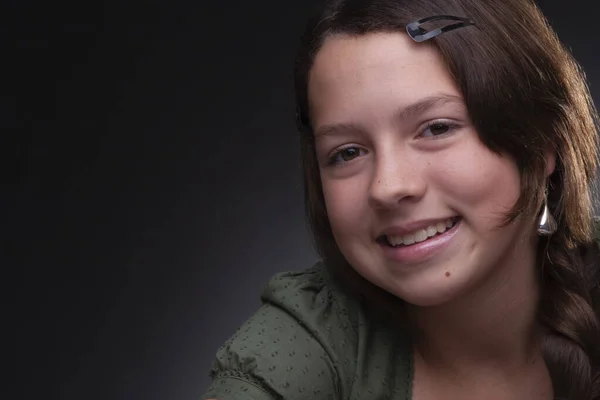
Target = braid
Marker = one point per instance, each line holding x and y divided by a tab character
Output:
571	346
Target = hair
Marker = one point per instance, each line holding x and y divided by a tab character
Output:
525	94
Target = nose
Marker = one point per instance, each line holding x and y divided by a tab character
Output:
398	178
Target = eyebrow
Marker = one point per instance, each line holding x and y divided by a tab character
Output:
426	104
412	110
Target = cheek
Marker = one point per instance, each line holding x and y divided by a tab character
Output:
345	201
481	181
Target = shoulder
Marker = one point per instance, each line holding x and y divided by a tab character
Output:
298	344
315	299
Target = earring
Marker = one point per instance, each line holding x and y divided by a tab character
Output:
547	224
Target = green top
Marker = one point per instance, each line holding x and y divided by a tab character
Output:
310	340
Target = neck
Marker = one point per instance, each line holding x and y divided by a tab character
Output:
489	331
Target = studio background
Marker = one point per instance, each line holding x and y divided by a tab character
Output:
158	184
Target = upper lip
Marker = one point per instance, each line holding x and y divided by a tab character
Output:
411	227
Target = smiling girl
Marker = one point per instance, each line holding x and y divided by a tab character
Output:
449	166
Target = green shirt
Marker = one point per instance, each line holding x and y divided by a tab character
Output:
309	340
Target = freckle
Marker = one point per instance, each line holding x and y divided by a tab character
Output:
447	273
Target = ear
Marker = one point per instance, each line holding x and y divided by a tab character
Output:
550	157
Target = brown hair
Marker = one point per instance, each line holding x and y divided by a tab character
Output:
525	93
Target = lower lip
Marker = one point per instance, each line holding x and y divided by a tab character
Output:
423	251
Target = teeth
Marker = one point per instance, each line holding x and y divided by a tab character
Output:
421	235
441	227
431	230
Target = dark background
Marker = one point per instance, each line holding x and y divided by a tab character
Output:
158	184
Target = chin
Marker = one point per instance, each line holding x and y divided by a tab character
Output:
432	300
428	294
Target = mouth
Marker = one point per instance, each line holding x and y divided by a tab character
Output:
419	236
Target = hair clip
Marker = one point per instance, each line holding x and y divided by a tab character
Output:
419	34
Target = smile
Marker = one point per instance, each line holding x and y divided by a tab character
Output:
420	235
416	247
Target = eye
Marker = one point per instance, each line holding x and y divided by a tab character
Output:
438	128
345	155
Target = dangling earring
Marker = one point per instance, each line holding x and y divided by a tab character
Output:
547	224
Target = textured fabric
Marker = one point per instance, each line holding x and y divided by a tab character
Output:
309	340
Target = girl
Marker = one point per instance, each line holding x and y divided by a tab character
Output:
449	150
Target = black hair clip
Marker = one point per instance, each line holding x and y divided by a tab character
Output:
418	34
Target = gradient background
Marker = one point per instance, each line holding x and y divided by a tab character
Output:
158	184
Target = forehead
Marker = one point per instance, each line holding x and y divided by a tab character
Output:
374	70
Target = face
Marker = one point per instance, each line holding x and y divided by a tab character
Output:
414	198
